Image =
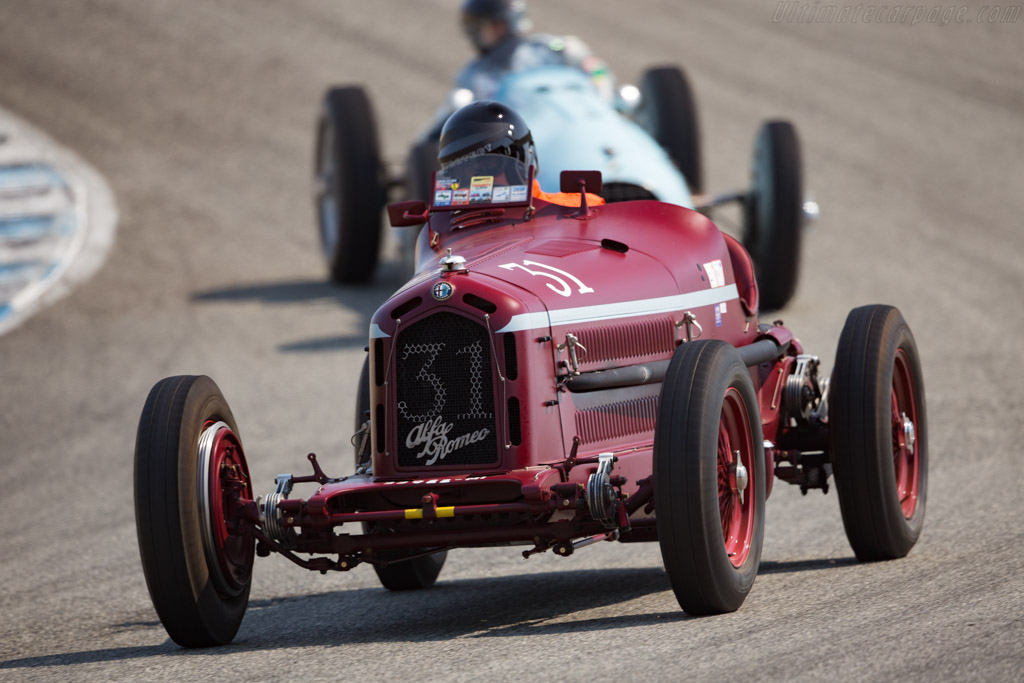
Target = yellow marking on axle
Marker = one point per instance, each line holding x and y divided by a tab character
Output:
417	513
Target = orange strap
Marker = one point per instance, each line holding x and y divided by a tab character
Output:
565	198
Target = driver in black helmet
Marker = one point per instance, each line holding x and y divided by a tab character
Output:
498	29
487	139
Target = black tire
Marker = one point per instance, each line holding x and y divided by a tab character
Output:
421	164
349	190
707	388
362	412
773	217
200	589
419	572
407	575
876	386
668	111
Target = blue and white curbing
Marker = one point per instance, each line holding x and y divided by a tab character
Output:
58	218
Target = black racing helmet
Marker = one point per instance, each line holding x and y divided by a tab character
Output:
476	12
486	127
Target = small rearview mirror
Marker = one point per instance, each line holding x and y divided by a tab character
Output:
570	181
405	214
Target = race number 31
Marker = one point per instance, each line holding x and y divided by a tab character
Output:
559	276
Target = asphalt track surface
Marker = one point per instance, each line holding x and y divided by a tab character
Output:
200	116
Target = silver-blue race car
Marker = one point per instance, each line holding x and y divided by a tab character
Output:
645	141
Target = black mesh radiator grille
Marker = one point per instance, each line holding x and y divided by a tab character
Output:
445	410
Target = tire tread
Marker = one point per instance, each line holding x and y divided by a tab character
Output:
693	555
173	559
861	448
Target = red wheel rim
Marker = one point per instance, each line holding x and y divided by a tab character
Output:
736	501
229	481
905	445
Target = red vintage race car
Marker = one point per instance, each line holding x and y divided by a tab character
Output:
558	376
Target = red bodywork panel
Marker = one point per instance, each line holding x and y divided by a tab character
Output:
553	297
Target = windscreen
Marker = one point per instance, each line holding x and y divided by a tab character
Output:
482	180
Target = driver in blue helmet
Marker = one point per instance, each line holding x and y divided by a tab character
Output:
499	30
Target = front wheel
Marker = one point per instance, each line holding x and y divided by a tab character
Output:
349	189
709	476
878	433
190	476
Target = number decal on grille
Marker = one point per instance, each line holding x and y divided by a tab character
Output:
445	405
427	377
476	372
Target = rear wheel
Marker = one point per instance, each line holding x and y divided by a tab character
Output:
412	574
879	433
190	473
419	168
349	189
773	218
668	111
421	164
709	476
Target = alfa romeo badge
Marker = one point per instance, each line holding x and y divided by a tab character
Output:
443	290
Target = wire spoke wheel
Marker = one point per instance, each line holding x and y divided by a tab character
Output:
736	504
904	416
223	478
878	433
709	477
191	484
